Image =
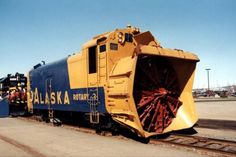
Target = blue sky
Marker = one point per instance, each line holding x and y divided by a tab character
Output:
32	31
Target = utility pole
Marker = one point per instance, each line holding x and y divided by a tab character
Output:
208	80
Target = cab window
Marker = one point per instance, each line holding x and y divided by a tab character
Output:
102	48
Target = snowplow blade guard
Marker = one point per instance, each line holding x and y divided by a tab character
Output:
171	74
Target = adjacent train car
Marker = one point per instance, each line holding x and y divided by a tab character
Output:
13	88
124	75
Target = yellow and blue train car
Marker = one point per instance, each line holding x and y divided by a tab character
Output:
50	88
125	75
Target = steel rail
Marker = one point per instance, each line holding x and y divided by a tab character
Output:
219	147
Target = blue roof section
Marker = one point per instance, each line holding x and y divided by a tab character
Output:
56	72
51	64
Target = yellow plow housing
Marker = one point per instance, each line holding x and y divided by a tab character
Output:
150	91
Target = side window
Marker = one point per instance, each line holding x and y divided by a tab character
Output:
128	37
113	46
102	48
92	60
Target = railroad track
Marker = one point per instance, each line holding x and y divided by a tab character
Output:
218	147
209	146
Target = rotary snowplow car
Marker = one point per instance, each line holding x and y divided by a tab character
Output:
124	76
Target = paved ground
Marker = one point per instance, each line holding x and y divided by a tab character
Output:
217	110
23	138
7	149
225	110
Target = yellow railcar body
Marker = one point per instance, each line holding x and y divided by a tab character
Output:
117	55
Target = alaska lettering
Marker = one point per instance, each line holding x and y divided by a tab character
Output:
59	97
